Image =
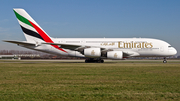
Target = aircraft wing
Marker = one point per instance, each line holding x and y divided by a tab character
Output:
71	46
66	46
80	48
130	54
19	42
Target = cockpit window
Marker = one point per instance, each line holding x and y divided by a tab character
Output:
169	46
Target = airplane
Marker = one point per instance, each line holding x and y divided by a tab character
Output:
92	49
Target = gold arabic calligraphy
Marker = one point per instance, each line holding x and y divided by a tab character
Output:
107	44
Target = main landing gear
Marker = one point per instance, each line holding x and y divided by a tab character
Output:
92	60
164	61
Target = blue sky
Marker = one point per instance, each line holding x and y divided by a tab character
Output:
158	19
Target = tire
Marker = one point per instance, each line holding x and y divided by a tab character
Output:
102	61
164	61
86	61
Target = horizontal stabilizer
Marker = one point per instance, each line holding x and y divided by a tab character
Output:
19	42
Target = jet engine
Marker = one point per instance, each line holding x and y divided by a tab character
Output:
115	55
92	52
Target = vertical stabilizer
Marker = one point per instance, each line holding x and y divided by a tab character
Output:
32	31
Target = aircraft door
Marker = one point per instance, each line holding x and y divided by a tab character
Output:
63	41
161	48
83	42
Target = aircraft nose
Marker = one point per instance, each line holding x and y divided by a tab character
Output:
173	51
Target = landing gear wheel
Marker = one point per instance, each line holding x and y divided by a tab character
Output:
102	61
165	61
86	61
91	60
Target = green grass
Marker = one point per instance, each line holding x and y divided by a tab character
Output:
117	80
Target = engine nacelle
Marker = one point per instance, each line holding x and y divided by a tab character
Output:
115	55
92	52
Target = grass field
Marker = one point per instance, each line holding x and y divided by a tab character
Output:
112	80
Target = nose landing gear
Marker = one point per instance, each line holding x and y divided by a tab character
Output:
164	61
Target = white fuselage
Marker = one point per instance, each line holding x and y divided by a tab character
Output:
135	47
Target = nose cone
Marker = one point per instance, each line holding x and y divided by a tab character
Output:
173	51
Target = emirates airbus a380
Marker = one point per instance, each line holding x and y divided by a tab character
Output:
93	49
